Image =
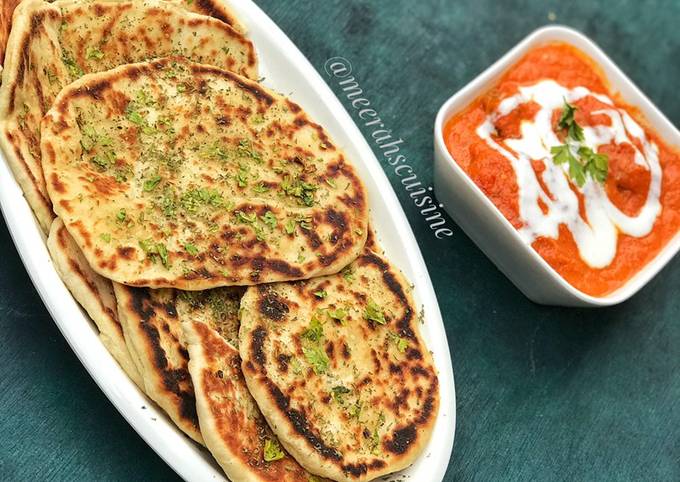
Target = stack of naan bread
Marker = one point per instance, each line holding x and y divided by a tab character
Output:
217	238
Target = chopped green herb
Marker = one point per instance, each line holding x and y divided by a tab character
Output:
163	253
338	314
306	223
194	198
135	117
317	358
122	174
568	123
168	203
321	294
582	160
339	392
314	332
51	76
106	237
244	218
355	410
269	219
121	215
597	165
374	313
144	98
290	226
215	151
104	161
155	251
150	184
242	176
302	190
402	343
260	188
245	149
73	69
93	53
191	249
272	450
348	273
88	139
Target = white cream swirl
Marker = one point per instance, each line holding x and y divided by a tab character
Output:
597	235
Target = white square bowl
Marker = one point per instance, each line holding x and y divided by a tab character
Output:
485	224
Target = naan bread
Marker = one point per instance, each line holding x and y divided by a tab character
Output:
231	424
6	11
154	337
175	174
339	370
52	44
94	293
213	8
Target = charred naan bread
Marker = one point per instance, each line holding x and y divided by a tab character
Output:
339	370
52	44
94	293
175	174
231	424
154	337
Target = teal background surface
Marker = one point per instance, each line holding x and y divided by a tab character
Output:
543	393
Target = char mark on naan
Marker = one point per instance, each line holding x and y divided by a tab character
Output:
155	340
174	174
339	369
50	45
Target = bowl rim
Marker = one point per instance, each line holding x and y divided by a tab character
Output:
481	83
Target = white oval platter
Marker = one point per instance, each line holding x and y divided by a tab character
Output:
285	70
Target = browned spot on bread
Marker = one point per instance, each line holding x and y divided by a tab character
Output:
283	362
301	425
357	470
401	439
126	252
258	92
57	185
257	346
64	203
273	307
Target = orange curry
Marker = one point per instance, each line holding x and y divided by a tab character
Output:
627	182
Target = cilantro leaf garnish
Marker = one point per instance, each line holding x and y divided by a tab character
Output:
272	450
94	54
317	358
314	332
269	219
338	314
582	160
151	183
339	392
191	249
374	313
155	251
121	215
290	226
